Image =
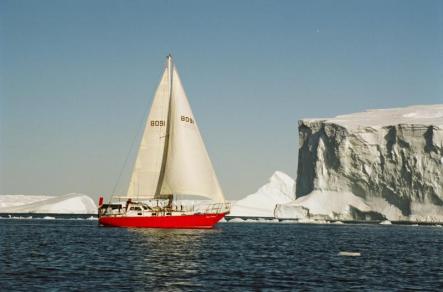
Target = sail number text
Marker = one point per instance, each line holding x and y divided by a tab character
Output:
161	123
187	119
157	123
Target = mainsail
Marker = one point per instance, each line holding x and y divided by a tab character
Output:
172	158
146	172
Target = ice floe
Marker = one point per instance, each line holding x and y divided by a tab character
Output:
349	254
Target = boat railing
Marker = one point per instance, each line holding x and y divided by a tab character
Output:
162	209
216	208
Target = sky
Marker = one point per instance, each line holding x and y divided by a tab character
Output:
77	79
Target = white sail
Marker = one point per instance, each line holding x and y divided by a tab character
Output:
172	158
147	167
188	169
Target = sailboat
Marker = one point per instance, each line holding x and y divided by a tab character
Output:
171	163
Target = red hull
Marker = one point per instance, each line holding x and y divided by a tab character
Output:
204	221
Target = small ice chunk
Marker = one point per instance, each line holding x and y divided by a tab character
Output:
288	221
235	220
386	222
349	254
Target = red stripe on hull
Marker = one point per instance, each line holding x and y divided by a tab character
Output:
204	221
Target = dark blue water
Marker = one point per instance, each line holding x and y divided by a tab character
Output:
79	255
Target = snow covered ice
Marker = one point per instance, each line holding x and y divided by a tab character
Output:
65	204
279	190
378	164
331	205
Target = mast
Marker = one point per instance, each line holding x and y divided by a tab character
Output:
168	128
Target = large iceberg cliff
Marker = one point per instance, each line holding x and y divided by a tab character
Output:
389	162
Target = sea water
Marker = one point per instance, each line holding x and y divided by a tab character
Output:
59	255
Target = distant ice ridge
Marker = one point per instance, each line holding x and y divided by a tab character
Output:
91	218
65	204
279	190
373	165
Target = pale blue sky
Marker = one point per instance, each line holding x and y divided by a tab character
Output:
76	78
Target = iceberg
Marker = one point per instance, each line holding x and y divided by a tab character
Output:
65	204
384	164
7	201
331	204
279	190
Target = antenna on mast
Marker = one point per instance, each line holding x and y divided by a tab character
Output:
170	65
169	58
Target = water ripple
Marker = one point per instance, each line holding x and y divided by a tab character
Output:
78	255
